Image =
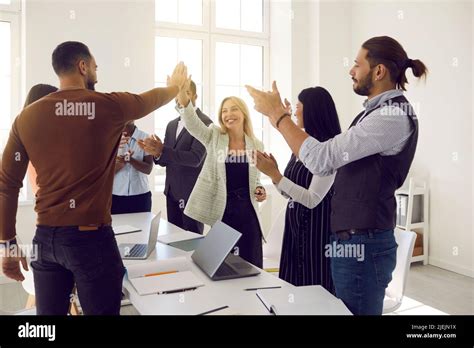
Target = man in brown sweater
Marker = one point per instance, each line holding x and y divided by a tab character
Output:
71	137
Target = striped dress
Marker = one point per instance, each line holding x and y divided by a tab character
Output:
306	234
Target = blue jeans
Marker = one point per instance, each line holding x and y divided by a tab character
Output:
361	280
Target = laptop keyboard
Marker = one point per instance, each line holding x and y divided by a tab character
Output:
225	270
137	250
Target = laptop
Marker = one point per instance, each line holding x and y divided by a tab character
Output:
130	251
214	258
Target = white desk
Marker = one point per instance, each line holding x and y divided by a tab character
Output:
212	295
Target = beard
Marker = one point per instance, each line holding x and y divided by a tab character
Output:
365	85
91	85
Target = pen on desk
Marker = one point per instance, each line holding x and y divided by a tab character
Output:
214	310
268	287
175	291
160	273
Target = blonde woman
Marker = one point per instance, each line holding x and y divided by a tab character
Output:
228	187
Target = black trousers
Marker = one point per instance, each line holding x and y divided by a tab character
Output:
89	259
175	212
131	204
240	215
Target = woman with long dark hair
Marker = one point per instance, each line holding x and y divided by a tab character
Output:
36	93
307	224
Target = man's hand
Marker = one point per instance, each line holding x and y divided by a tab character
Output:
179	76
11	267
268	103
151	145
288	107
183	97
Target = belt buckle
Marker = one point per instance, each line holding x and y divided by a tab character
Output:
344	235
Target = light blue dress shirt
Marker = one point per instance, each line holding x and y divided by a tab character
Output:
385	131
129	181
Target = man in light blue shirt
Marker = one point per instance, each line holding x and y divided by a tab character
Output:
131	191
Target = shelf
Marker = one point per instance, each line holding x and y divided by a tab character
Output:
412	226
416	191
417	258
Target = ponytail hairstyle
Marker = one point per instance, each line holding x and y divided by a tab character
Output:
388	51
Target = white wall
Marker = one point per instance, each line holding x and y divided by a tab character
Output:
120	34
436	33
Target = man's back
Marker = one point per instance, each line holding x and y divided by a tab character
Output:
71	138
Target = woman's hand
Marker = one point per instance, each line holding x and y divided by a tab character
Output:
182	97
268	165
178	77
260	194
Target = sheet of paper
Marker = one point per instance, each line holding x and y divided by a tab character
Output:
167	282
123	229
304	300
166	265
178	237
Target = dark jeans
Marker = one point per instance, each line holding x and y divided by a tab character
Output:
131	204
175	213
361	284
88	259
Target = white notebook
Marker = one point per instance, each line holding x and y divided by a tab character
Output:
303	300
163	276
178	237
123	229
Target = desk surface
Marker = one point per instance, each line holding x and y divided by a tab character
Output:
213	294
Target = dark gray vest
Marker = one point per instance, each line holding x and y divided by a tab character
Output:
364	190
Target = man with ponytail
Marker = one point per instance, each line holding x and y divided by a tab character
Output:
372	159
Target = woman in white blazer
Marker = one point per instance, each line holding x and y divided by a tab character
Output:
228	187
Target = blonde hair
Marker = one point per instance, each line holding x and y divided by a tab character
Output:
248	128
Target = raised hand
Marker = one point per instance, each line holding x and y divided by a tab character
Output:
268	103
178	77
288	107
183	97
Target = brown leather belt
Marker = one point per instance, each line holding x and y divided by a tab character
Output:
347	234
91	227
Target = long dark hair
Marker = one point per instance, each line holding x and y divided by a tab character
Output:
388	51
37	92
319	113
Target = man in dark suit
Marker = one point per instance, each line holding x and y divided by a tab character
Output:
183	157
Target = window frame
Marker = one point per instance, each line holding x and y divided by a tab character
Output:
210	35
14	6
265	34
10	13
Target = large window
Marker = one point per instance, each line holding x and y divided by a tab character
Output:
9	70
5	81
224	43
